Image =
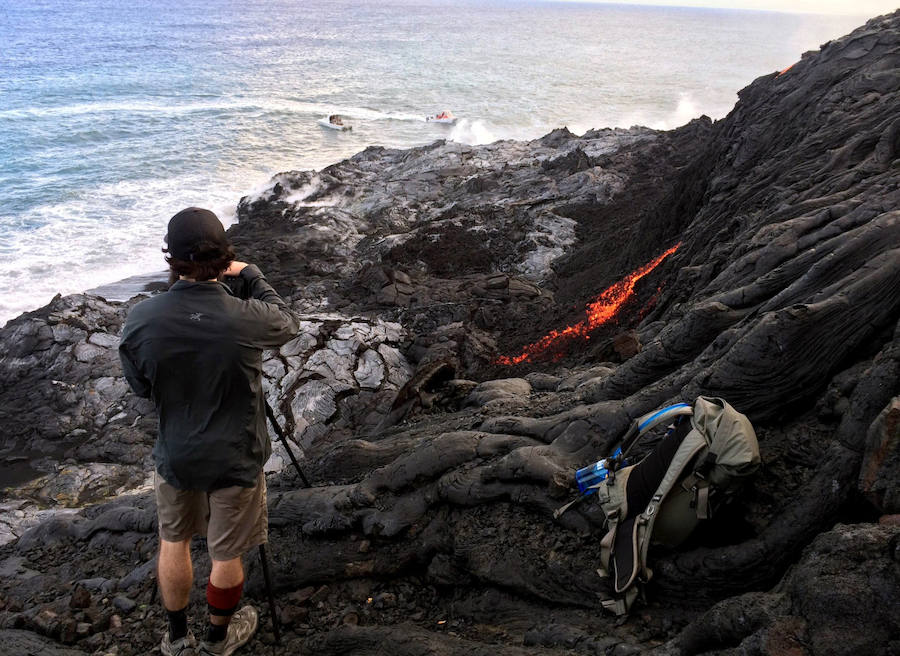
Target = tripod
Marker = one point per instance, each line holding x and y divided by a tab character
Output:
264	561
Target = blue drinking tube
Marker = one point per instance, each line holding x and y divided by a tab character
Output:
587	478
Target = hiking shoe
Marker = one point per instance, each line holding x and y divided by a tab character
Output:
182	647
240	629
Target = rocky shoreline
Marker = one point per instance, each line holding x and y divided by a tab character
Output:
756	258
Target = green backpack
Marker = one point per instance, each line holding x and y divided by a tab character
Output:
705	457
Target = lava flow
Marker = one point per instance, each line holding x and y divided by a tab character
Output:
598	313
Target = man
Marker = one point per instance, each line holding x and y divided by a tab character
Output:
197	352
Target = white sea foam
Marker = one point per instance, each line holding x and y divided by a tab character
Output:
363	113
124	108
666	117
264	189
104	235
685	110
228	106
473	132
294	195
299	196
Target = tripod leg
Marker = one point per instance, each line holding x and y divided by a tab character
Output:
287	447
272	609
294	460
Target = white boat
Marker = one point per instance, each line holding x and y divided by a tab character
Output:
334	122
443	117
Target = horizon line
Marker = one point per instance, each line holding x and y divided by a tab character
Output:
719	7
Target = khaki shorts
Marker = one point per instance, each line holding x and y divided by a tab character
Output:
233	519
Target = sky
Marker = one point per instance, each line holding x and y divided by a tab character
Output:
867	8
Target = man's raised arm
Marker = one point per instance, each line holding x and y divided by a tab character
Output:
266	320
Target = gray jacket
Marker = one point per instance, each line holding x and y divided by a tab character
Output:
197	352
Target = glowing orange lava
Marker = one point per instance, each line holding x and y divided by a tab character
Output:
598	313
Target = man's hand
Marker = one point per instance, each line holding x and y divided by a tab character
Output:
234	269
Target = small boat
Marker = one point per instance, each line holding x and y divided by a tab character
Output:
443	117
334	122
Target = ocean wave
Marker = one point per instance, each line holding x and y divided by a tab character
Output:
685	109
103	235
235	106
473	132
668	116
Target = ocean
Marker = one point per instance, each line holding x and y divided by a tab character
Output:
114	116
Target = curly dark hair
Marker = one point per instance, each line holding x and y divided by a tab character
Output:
209	261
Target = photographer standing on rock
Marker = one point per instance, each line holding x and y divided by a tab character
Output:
197	352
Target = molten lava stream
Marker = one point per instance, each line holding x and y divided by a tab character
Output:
598	313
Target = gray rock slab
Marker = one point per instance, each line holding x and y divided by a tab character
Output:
88	352
111	387
399	370
104	340
331	366
302	343
273	368
369	370
313	402
345	348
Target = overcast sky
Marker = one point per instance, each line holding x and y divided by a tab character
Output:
866	8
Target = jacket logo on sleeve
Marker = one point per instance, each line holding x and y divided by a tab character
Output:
196	316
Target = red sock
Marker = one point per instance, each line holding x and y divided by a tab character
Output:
223	601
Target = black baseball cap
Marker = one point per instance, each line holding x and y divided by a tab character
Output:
195	233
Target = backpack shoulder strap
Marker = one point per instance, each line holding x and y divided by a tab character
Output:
693	444
651	419
657	417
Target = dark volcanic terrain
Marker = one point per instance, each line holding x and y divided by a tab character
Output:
756	258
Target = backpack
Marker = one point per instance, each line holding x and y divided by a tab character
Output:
705	456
